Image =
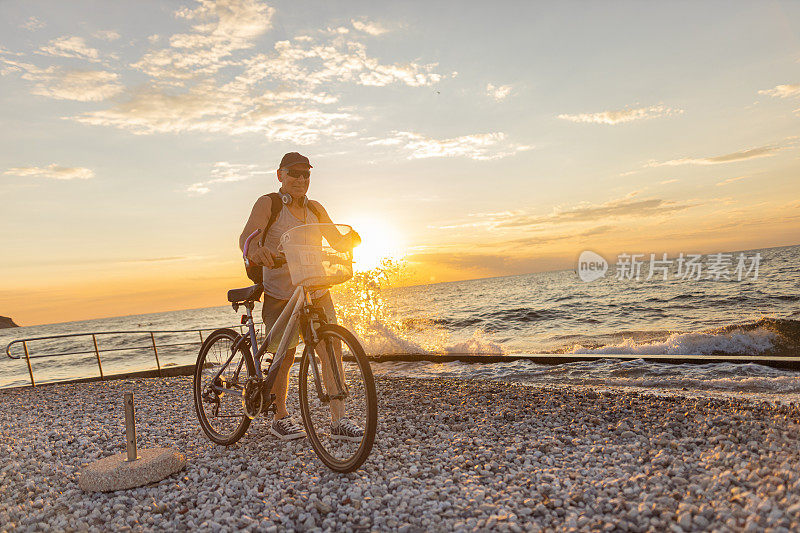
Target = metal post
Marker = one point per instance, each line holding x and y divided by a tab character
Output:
130	428
155	351
97	354
201	335
28	360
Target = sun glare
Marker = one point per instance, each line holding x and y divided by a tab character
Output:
378	240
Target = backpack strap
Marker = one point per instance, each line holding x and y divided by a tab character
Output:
313	210
277	205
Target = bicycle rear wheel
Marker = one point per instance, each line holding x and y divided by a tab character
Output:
218	383
352	389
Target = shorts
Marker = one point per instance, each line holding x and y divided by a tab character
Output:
273	308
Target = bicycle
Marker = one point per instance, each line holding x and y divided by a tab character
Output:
230	388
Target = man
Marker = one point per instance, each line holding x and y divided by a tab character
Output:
294	174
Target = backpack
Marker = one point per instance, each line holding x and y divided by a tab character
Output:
254	271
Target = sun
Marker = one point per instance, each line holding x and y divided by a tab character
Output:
379	240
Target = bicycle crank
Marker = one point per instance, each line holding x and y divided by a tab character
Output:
252	398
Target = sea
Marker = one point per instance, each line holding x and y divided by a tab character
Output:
716	310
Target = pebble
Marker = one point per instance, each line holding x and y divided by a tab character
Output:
480	455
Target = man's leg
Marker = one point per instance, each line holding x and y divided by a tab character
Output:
281	387
283	426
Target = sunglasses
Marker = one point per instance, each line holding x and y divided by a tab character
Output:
297	174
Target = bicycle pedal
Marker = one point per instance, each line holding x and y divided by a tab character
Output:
271	401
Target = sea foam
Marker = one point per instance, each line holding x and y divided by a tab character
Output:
736	342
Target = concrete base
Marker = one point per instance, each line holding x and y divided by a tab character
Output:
114	473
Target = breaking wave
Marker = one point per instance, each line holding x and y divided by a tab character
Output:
767	336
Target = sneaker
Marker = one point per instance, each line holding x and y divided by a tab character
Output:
287	429
346	430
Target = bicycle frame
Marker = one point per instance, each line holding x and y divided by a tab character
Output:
294	309
299	305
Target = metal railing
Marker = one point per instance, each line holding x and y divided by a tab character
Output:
97	350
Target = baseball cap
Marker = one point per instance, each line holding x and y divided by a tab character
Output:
293	158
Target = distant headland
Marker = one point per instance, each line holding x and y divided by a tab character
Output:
6	322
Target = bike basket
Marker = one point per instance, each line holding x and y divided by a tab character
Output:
318	255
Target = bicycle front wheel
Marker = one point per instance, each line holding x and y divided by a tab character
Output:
219	378
338	402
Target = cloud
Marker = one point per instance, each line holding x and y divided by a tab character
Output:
198	189
461	261
498	93
209	108
152	110
52	171
370	27
309	63
82	86
479	146
222	28
783	91
107	35
742	155
629	206
547	239
61	84
665	182
27	71
207	78
486	264
485	220
623	115
33	24
74	47
158	259
224	172
731	180
300	96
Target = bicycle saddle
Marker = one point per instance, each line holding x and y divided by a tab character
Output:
247	294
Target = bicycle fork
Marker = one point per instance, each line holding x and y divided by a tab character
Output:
330	354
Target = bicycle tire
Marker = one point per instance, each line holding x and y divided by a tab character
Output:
362	401
214	351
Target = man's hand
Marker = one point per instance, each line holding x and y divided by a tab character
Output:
260	255
355	238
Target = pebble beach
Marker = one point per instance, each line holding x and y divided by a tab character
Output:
450	455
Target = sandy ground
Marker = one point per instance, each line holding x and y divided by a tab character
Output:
450	455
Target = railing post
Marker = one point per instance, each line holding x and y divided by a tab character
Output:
28	360
155	351
97	354
201	335
130	428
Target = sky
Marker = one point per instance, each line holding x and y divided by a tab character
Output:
469	139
